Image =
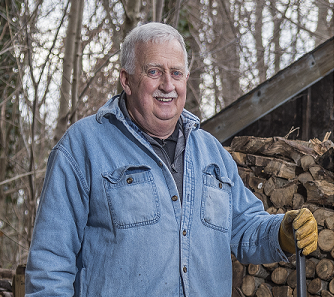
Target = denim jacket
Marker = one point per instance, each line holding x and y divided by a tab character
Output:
110	223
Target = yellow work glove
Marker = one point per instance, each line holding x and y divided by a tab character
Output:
306	231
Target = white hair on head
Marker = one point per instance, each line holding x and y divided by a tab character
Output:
151	32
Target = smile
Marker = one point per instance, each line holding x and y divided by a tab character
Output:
164	99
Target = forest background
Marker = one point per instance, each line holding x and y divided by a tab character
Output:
59	63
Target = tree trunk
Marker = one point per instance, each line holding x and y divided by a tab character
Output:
76	64
63	111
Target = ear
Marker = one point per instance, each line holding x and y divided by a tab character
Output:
124	80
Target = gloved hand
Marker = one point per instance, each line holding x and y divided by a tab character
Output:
306	232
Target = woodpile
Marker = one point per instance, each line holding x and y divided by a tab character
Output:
288	174
12	282
6	277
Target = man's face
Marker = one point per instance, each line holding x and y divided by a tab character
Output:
156	92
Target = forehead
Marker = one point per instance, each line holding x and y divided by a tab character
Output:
167	54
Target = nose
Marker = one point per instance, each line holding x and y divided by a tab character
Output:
167	83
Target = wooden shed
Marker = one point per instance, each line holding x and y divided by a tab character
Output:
300	96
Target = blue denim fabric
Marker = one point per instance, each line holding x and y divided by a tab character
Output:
107	224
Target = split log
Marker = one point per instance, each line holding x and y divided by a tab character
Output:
239	158
264	290
331	286
332	253
6	294
325	269
250	284
325	293
283	196
292	279
321	147
321	192
279	275
256	160
256	184
281	168
239	272
236	292
311	206
327	160
264	198
257	270
245	173
321	214
316	286
288	148
275	146
281	210
319	173
306	162
329	222
269	186
326	240
272	210
6	273
298	201
305	177
270	266
310	268
5	285
274	183
318	253
282	291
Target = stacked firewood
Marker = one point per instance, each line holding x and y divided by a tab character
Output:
289	174
6	277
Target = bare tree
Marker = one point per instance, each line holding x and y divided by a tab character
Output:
70	40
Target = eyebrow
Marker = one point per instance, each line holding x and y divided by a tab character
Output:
147	66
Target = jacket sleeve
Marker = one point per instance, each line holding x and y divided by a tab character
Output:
59	226
254	237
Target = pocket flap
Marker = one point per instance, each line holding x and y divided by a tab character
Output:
115	176
214	170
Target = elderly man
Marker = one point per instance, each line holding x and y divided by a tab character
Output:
139	201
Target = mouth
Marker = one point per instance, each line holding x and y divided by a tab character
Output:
162	99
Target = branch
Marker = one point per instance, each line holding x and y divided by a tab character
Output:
2	232
89	83
21	175
54	41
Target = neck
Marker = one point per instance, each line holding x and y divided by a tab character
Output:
162	132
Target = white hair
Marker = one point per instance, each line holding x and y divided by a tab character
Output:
151	32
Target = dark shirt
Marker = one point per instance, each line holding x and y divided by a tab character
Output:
170	150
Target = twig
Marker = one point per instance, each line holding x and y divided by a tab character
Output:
21	175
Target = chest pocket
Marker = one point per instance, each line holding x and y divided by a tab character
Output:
132	196
216	199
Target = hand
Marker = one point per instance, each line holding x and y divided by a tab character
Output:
306	231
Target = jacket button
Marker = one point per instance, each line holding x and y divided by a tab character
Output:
184	232
184	269
174	198
129	180
220	185
160	164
